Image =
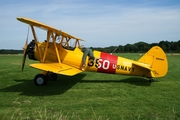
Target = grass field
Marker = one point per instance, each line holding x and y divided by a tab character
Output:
92	96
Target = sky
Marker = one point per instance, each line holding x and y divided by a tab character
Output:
101	23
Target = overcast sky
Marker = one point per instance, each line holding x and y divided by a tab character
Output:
101	23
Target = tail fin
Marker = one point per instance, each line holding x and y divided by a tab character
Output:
156	58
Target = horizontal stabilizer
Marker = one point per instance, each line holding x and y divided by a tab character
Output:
57	68
151	72
146	66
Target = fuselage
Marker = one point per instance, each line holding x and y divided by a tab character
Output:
104	62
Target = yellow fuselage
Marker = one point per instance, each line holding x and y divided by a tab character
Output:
104	62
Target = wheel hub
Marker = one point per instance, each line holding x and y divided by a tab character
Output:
40	80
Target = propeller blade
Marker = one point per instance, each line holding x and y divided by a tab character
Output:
25	51
24	60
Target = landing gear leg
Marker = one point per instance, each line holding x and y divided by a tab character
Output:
151	80
51	76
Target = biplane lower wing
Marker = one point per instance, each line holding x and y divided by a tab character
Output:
57	68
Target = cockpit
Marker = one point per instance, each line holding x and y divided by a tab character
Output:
68	43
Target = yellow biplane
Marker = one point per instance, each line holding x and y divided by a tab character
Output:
57	56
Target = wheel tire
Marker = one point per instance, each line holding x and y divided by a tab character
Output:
51	76
40	80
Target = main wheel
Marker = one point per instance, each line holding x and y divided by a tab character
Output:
51	76
40	80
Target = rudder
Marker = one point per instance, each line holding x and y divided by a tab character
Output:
156	58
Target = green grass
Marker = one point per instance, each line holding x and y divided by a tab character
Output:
92	96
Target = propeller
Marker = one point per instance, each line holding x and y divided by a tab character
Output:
25	51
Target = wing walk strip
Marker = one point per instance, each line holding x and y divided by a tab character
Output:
57	68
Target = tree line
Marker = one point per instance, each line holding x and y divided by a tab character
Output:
10	51
168	47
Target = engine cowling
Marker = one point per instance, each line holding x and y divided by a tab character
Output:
30	50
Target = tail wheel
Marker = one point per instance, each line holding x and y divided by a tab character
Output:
40	80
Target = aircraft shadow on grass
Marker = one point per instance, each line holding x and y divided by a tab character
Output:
63	84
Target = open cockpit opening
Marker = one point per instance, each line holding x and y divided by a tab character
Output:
69	44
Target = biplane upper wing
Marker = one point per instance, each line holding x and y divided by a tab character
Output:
46	27
57	68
